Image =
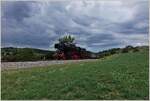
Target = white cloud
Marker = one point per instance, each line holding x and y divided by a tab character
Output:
113	11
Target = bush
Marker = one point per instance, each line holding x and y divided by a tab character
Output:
24	55
135	49
125	50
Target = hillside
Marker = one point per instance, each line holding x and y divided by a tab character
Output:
11	54
120	76
25	54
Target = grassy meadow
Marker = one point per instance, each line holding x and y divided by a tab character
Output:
120	76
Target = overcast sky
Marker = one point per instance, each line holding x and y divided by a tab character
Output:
96	25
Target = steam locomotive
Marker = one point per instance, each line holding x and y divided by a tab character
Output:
67	51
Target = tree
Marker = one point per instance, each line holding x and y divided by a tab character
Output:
127	49
66	43
67	39
25	55
66	49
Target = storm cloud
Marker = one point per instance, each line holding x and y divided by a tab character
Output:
96	25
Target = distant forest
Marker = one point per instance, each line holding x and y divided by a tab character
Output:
11	54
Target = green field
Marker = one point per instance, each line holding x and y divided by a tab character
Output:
121	76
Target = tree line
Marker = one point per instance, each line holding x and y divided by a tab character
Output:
66	49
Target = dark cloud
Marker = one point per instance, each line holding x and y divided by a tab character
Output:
97	25
15	10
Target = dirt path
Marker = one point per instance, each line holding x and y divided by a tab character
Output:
15	65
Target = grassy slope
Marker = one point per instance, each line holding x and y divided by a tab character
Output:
123	76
